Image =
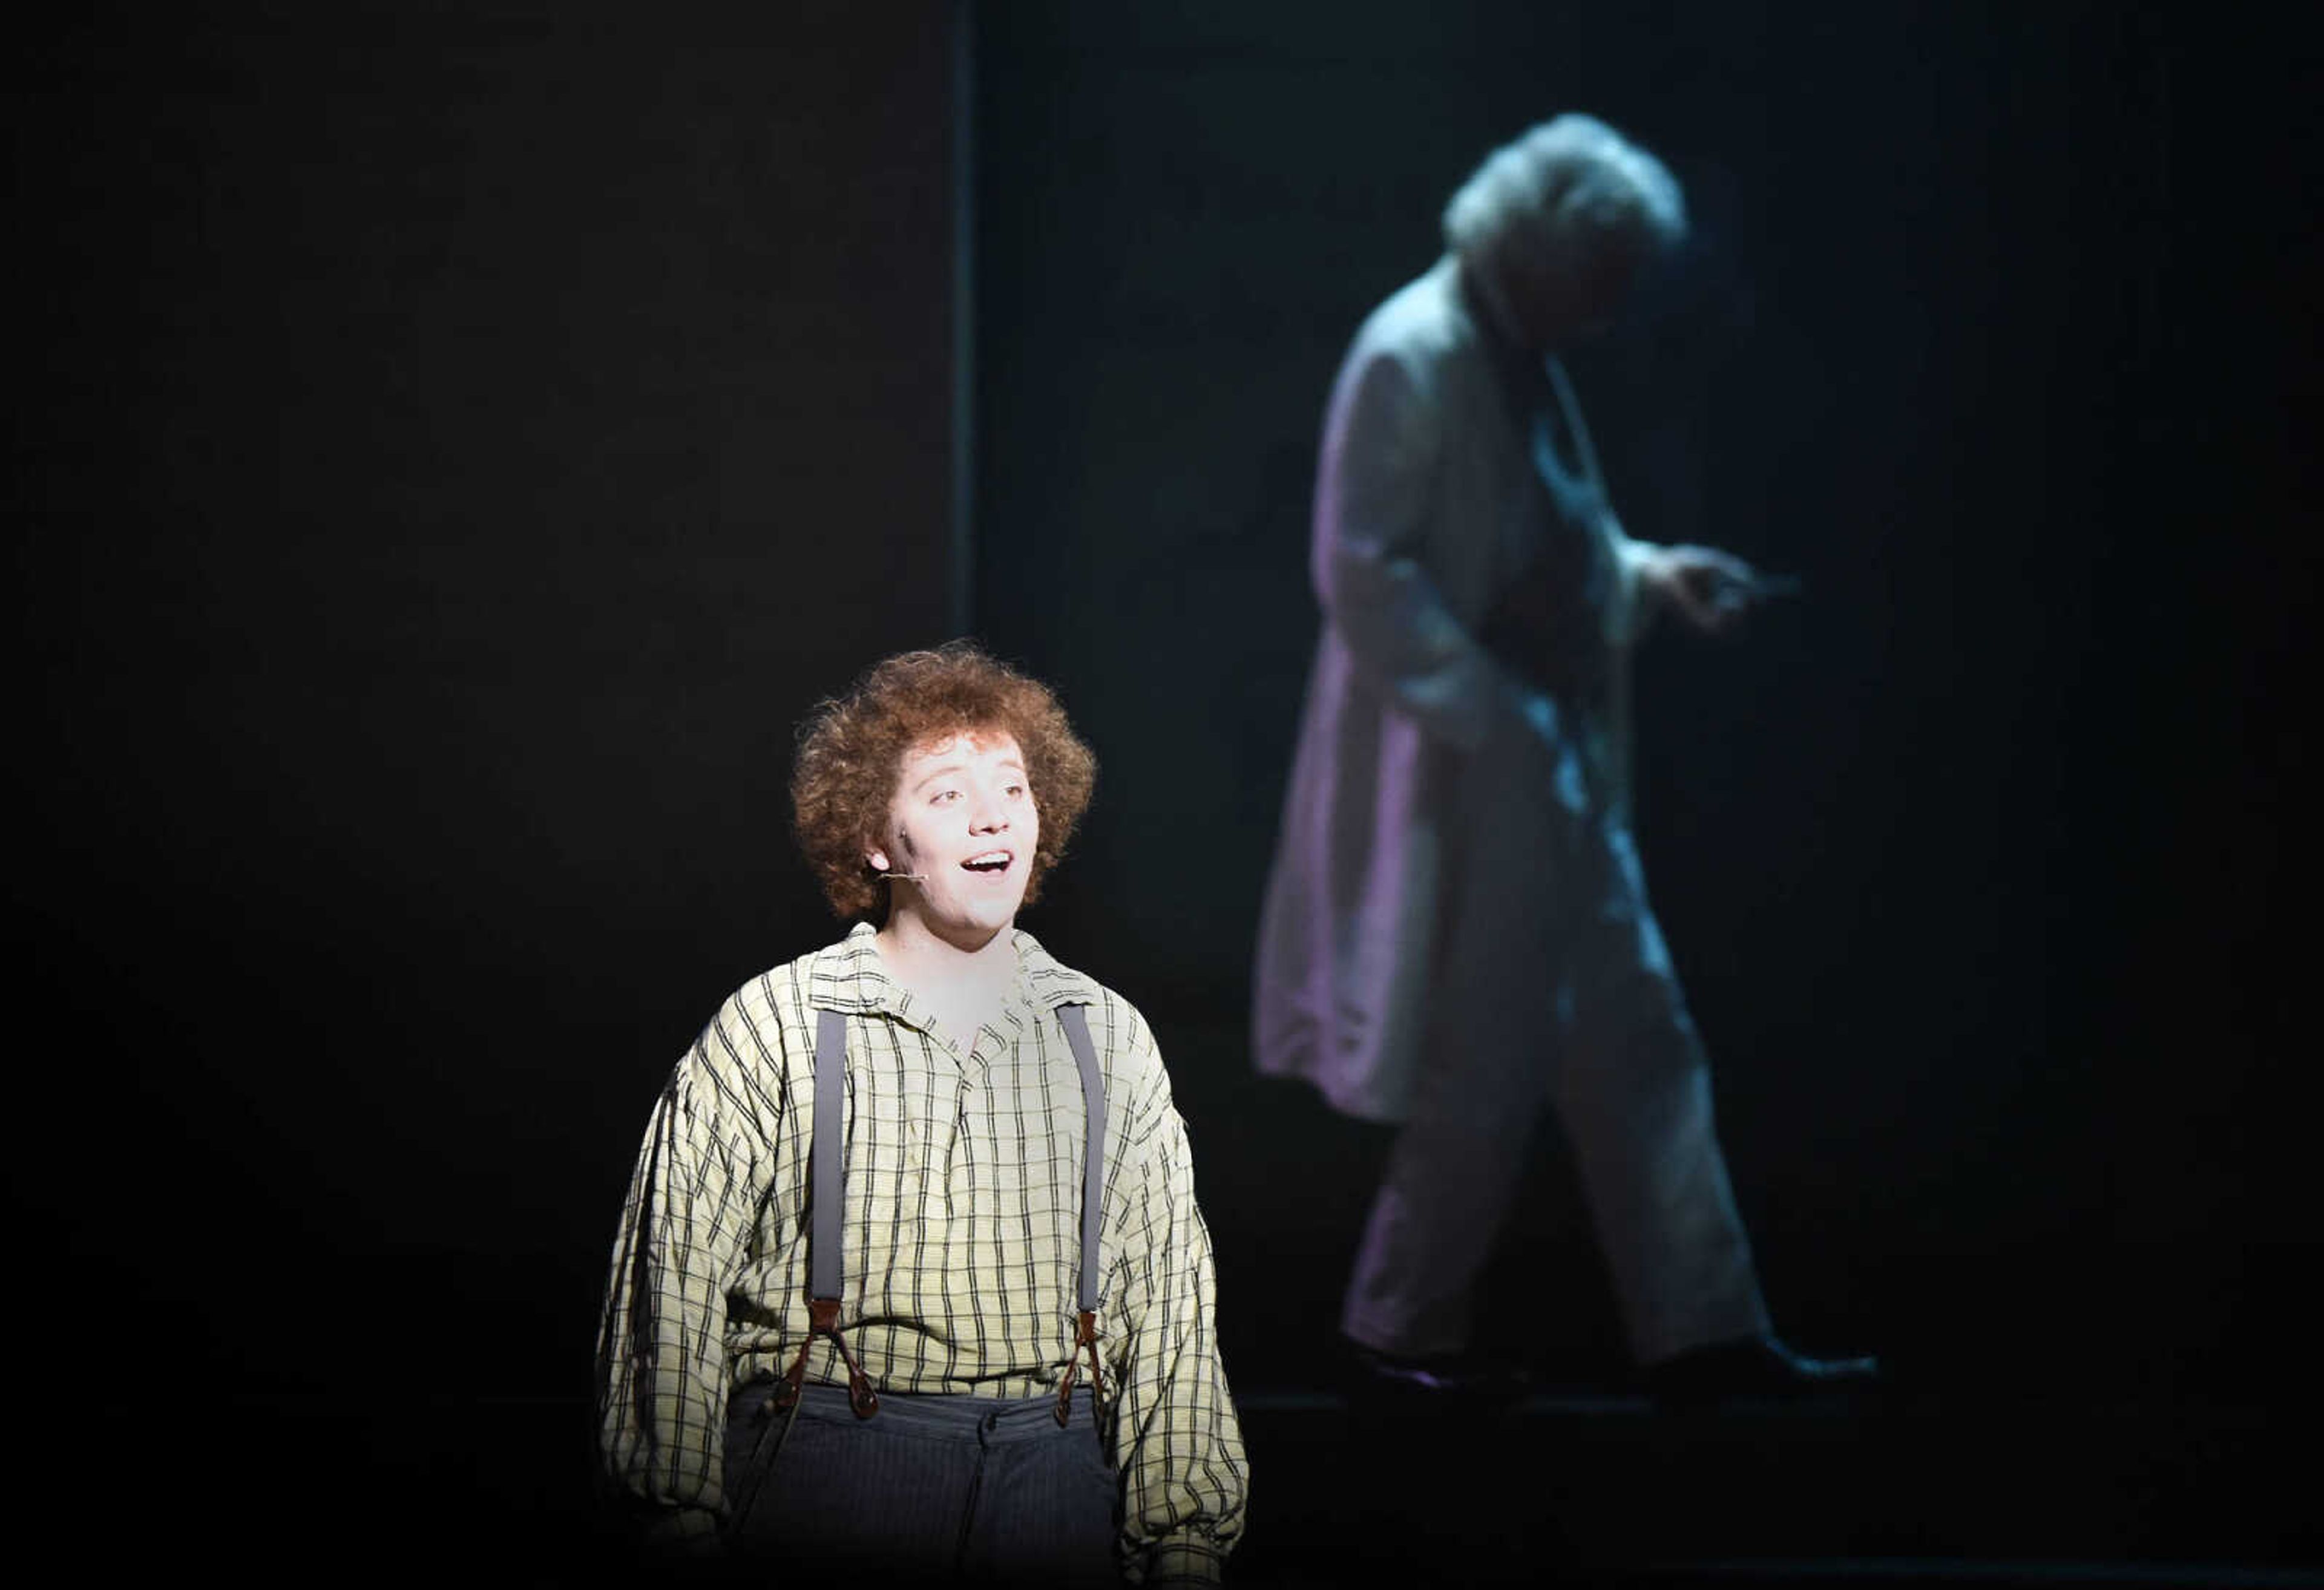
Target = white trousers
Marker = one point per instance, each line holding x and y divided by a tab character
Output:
1553	989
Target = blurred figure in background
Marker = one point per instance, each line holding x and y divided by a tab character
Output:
1456	935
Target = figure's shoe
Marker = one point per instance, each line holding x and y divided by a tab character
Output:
1754	1366
1435	1378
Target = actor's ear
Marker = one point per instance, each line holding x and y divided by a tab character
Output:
879	860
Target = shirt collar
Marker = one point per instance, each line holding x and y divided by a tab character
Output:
1047	982
850	976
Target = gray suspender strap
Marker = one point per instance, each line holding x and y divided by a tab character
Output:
823	1152
1075	1018
824	1210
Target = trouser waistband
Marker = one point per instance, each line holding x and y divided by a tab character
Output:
936	1416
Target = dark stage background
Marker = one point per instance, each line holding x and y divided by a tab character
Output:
456	443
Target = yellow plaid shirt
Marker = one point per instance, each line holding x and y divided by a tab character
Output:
960	1233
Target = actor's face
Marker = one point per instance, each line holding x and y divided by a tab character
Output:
1562	300
963	822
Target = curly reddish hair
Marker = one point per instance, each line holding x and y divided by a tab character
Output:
852	750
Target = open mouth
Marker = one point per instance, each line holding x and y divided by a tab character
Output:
990	861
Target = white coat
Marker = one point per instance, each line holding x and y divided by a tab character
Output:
1444	513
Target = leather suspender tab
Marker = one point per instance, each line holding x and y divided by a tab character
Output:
1084	1340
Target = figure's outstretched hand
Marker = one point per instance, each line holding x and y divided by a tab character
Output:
1710	589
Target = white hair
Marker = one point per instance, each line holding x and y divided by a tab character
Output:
1569	183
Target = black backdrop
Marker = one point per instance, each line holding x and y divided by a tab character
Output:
458	444
455	443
